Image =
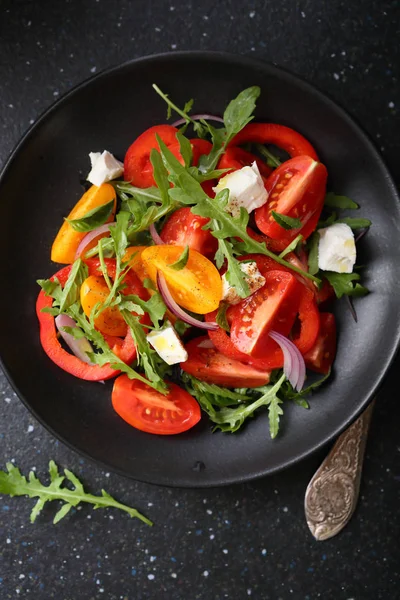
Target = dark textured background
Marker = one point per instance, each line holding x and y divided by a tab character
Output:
243	541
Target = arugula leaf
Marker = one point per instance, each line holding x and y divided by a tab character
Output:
234	274
181	327
52	289
185	149
199	129
344	284
93	219
125	191
292	246
327	222
189	191
274	414
71	290
313	253
288	393
160	175
13	483
146	355
220	318
237	115
340	202
212	394
355	223
154	307
182	260
272	160
286	222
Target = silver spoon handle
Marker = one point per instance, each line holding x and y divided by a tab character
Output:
332	493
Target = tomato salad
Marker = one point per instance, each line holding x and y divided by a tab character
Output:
199	273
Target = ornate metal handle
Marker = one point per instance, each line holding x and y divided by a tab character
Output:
332	493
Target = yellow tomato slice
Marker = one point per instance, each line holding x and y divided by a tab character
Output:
197	287
94	290
67	240
133	255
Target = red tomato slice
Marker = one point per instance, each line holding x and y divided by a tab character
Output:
184	228
325	295
308	321
207	364
235	158
322	354
273	307
296	189
137	166
278	135
148	410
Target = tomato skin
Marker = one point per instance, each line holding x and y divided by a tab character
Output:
321	356
309	319
235	158
146	409
272	307
325	294
207	364
197	287
137	166
296	189
184	228
271	133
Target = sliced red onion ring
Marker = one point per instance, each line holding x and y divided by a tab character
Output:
78	347
90	237
198	118
177	310
351	308
294	366
155	236
361	234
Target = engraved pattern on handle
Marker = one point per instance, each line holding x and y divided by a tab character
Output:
332	493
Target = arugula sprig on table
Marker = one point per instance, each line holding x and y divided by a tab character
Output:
13	483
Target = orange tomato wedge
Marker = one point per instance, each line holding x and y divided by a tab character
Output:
197	287
67	240
94	290
133	256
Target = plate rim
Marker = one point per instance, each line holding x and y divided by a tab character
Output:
336	107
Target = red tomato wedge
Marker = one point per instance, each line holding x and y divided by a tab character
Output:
273	307
296	189
207	364
183	228
137	166
235	158
322	354
146	409
270	133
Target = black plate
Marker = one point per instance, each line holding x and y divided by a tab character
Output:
40	184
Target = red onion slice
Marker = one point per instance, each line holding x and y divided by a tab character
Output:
177	310
90	237
294	366
78	347
155	236
198	118
206	344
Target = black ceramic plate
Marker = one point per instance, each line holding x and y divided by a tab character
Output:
40	184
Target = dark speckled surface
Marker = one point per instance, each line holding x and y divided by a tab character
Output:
242	541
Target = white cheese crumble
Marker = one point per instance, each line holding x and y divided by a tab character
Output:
105	167
168	345
246	188
254	280
336	248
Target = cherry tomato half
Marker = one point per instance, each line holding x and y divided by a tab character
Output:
183	228
322	354
207	364
196	287
137	166
296	189
148	410
308	321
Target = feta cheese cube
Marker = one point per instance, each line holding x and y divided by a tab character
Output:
105	167
254	280
336	248
168	345
246	188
